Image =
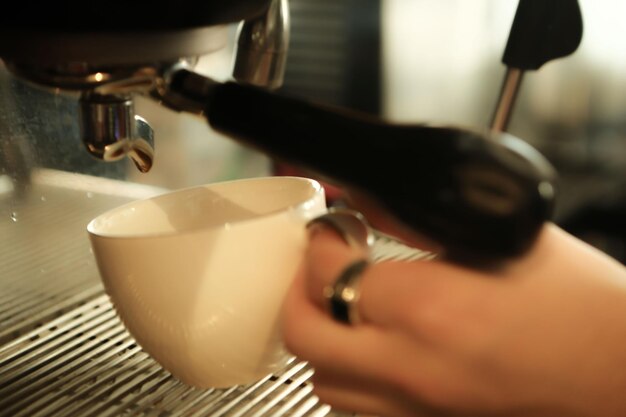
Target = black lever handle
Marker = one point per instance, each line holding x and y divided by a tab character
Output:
482	198
542	30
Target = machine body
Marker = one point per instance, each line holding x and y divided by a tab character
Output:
481	195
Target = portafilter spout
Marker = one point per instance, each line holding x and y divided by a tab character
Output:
111	130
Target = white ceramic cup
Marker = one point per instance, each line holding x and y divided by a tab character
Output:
198	275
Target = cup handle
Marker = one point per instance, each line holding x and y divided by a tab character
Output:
351	225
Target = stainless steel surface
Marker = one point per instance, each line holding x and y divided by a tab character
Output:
110	130
109	127
63	350
46	265
262	45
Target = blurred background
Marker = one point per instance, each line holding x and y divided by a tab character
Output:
410	61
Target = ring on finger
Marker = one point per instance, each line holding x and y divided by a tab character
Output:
342	296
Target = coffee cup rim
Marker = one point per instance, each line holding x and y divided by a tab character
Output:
92	226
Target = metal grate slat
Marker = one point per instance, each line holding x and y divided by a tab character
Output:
74	367
138	385
257	394
284	390
51	330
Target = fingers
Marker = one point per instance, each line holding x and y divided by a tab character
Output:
410	297
453	338
313	336
423	296
412	294
356	368
404	306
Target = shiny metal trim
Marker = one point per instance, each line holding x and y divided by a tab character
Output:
261	54
110	130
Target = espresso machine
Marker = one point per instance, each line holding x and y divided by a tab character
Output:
486	197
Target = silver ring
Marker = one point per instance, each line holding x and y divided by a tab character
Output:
342	296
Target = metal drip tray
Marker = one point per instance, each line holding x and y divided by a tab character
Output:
84	363
63	350
46	264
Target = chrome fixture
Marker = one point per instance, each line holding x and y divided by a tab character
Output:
110	130
262	47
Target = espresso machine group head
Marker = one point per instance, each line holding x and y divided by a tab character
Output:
480	195
106	62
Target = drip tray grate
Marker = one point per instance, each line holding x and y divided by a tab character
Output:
84	363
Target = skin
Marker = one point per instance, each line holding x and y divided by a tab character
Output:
544	335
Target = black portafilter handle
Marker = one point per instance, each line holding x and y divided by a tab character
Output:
481	198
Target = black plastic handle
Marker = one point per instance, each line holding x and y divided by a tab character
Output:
480	197
543	30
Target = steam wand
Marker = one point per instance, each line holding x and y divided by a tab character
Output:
542	30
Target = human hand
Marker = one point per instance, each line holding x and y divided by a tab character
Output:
544	335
